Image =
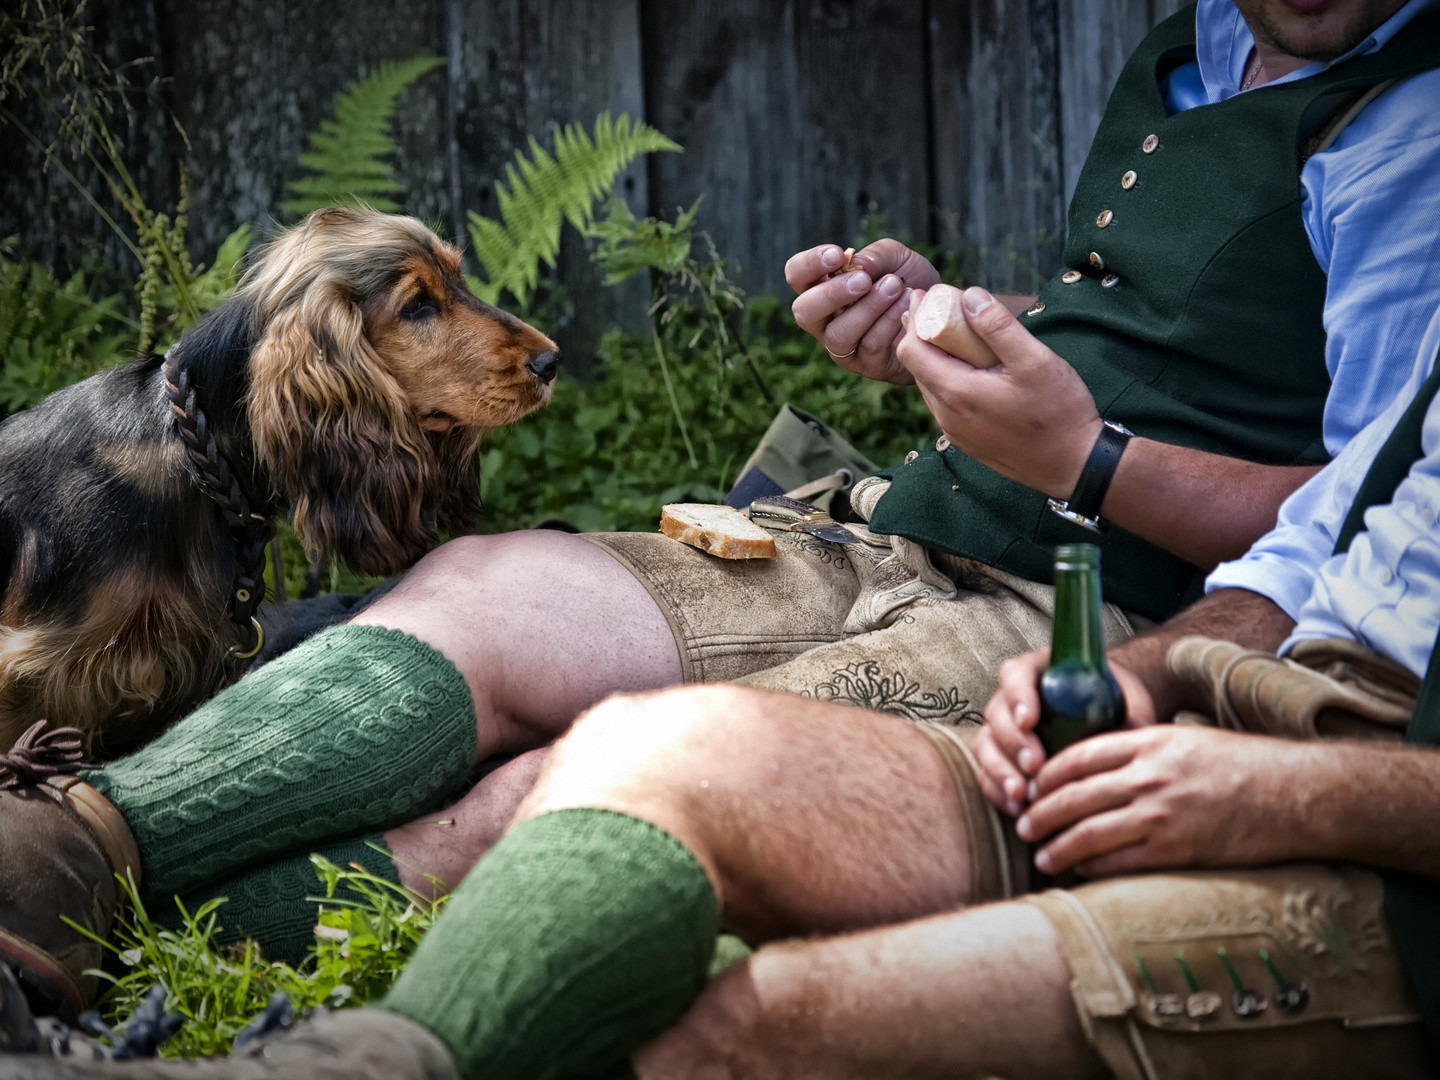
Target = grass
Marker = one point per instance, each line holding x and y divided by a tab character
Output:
366	931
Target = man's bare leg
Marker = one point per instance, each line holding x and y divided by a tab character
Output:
541	624
447	843
976	993
819	818
807	816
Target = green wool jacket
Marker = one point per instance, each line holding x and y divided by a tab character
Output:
1191	305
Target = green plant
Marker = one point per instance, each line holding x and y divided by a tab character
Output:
347	154
544	192
368	928
607	454
51	334
48	57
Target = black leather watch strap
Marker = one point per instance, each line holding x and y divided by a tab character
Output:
1099	470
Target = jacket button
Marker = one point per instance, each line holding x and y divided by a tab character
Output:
1109	281
1039	307
1128	180
1096	261
1104	218
1070	277
1151	144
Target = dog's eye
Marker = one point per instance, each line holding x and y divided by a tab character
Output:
421	307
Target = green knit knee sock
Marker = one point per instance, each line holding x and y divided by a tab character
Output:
358	728
579	937
270	904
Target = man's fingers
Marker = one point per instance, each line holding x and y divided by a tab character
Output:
886	330
1139	705
806	268
1059	810
1091	839
1014	709
819	304
889	256
996	794
1002	782
857	326
1103	753
932	365
1130	859
1001	330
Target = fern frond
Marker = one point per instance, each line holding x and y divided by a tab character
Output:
51	334
544	192
348	153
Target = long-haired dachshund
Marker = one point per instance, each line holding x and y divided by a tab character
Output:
349	378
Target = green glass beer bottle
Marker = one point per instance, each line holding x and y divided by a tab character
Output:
1079	697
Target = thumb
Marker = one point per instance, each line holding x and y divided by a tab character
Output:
999	329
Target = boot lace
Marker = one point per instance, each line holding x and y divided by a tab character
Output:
39	754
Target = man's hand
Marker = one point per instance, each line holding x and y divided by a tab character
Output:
1031	417
856	316
1009	753
1161	797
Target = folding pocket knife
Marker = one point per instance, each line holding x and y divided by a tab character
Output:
784	514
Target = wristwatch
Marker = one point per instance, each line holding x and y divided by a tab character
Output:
1083	506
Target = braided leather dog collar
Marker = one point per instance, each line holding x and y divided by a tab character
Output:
212	472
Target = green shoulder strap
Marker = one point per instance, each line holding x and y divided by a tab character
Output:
1392	464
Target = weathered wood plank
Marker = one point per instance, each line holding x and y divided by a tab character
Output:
520	68
798	119
997	151
965	122
1096	38
251	77
55	224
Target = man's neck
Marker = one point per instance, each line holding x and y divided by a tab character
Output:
1274	64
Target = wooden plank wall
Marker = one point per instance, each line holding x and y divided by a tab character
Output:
964	121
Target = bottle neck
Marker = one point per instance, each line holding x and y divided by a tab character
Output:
1078	636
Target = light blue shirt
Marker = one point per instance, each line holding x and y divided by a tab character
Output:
1385	591
1371	208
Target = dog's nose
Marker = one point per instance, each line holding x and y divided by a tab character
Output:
544	366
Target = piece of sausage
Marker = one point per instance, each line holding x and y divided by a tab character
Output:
849	266
940	320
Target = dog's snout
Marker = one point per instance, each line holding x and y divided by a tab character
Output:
544	366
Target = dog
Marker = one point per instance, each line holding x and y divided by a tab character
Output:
348	379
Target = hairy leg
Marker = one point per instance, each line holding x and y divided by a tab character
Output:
807	816
541	624
976	993
447	843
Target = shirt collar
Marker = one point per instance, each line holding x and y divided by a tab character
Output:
1223	42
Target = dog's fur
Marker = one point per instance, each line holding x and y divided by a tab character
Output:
350	378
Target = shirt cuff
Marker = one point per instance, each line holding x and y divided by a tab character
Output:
1269	575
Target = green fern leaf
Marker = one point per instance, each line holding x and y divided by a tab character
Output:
51	334
348	154
544	192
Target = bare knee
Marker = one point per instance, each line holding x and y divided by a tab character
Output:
664	743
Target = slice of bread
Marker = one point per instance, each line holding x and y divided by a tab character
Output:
720	530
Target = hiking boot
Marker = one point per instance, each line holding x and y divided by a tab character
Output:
61	845
356	1044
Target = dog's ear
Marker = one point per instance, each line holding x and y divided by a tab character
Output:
339	436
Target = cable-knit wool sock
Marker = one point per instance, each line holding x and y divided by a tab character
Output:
273	905
575	940
357	728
